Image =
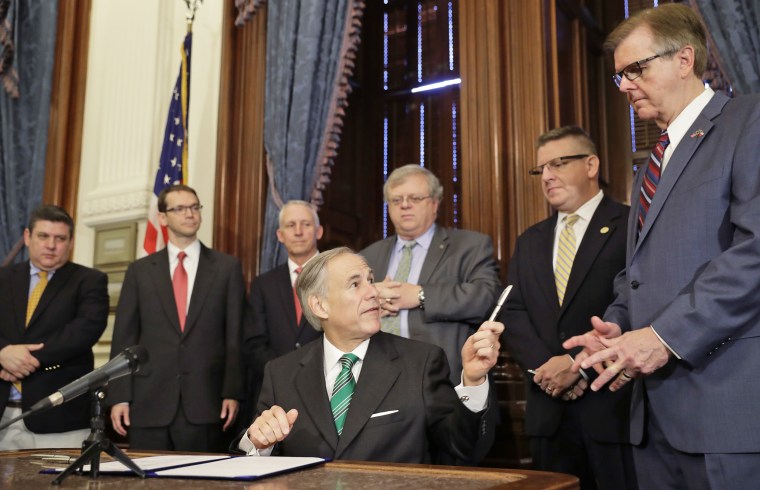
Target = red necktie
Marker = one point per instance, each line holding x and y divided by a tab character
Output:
179	282
652	177
299	311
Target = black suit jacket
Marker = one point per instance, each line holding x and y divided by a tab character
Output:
397	374
69	319
271	328
200	365
536	326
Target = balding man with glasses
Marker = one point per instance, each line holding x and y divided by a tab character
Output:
439	282
184	304
562	271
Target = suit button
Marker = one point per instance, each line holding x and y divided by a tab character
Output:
298	345
634	284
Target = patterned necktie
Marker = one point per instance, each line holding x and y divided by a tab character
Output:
651	177
392	324
34	297
299	310
565	256
343	391
179	283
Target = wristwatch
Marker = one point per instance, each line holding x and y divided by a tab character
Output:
421	298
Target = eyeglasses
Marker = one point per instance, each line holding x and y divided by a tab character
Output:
399	200
556	165
633	71
180	210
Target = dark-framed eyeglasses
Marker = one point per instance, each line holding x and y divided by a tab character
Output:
180	210
399	200
634	70
557	165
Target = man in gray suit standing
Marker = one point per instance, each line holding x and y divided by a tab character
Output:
439	282
686	321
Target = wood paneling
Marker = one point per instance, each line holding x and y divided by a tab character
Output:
241	172
64	147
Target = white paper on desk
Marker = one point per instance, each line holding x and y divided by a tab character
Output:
151	463
250	467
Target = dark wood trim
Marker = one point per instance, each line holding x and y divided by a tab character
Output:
240	193
65	127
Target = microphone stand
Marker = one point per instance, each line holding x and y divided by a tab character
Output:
96	443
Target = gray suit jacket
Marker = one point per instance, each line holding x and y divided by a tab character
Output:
410	378
199	366
694	273
461	282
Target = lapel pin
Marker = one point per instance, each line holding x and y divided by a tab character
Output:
697	134
604	230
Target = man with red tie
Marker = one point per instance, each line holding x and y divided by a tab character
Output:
184	304
275	324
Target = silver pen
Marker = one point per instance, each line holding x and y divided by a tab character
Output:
500	302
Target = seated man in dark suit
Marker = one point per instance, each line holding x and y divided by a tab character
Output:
363	394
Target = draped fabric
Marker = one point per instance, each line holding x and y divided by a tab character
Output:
733	28
310	51
24	120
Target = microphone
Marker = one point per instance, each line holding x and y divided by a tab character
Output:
127	362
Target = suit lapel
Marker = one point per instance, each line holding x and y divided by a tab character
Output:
386	251
541	248
21	295
161	276
378	375
679	159
310	385
288	302
592	243
204	281
438	246
56	284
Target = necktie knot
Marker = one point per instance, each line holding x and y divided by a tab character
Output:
408	246
42	275
181	256
298	270
347	361
571	219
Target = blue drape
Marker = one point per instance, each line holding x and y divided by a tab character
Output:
304	41
24	120
733	26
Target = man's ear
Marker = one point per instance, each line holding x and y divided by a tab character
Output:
317	307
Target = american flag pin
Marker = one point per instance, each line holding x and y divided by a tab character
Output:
604	230
697	134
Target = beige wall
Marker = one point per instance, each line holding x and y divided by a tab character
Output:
134	58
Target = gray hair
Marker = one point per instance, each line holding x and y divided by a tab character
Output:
398	176
312	281
298	202
673	26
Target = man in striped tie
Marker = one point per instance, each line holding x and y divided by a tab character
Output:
53	311
563	270
363	394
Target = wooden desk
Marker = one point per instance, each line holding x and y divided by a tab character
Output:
20	470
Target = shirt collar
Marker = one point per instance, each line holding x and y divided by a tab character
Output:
333	354
292	266
34	270
193	250
586	211
423	240
677	129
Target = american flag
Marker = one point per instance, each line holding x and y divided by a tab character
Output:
172	167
